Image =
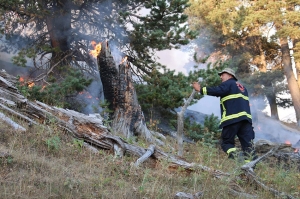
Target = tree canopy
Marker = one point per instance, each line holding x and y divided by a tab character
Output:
51	30
255	36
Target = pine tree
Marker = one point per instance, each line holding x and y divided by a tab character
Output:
241	31
63	30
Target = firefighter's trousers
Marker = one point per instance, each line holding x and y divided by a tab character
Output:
244	131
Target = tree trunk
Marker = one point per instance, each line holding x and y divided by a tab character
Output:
291	80
119	91
298	72
297	62
59	30
272	101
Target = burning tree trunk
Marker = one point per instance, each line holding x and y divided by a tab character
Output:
119	91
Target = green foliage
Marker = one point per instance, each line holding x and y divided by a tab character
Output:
20	59
105	112
168	90
208	134
57	93
78	143
164	89
163	26
243	31
210	75
53	143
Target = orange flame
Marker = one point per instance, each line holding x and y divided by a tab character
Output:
30	84
124	60
86	94
287	142
97	49
26	82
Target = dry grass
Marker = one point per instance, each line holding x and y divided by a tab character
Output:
48	163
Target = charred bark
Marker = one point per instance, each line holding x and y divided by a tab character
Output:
109	76
119	91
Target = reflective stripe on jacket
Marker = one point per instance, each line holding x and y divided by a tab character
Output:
234	101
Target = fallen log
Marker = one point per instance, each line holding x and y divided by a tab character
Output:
11	123
248	170
11	111
285	153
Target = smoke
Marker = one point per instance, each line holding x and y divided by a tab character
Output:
12	69
275	131
91	98
174	59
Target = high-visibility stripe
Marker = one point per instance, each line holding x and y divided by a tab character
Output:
230	150
224	111
234	96
233	116
204	91
246	161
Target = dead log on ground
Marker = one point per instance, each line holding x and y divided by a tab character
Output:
11	123
248	170
285	154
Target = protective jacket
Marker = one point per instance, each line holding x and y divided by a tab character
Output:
234	101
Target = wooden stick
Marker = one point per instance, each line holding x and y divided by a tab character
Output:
148	153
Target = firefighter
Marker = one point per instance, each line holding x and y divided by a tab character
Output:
236	119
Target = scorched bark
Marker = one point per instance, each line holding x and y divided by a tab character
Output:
119	91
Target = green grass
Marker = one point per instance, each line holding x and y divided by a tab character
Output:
48	163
